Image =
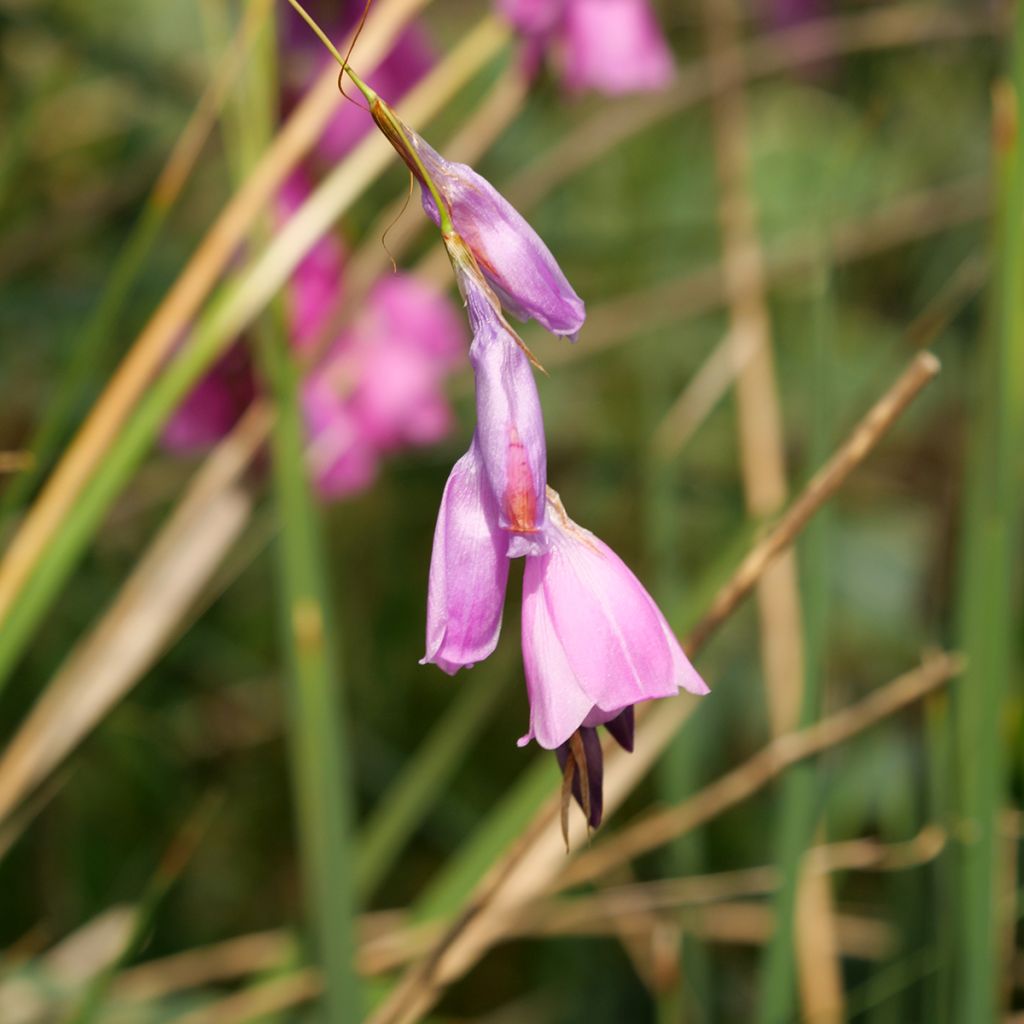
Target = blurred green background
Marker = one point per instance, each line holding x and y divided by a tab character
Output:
92	98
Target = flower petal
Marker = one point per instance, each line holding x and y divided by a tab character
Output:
608	625
518	265
510	426
468	571
558	704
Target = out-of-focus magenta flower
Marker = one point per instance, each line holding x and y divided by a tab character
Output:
510	425
404	343
340	458
315	288
594	641
468	570
213	406
381	386
615	47
786	13
611	46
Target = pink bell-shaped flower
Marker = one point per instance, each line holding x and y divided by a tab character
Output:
594	641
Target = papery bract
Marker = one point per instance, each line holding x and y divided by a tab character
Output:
468	571
621	729
594	641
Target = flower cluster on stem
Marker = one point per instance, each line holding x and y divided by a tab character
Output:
594	642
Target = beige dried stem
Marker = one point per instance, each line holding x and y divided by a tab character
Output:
180	305
531	865
142	618
762	458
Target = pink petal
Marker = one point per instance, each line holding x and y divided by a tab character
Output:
468	572
558	703
608	625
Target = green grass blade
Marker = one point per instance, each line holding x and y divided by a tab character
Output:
991	553
427	773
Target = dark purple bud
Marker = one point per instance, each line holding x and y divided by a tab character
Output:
622	728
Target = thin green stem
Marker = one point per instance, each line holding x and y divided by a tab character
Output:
987	599
317	734
380	110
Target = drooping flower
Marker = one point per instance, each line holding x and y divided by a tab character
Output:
517	264
610	46
594	641
510	425
468	570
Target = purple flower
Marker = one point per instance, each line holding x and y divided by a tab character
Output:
468	570
611	46
516	263
510	425
594	641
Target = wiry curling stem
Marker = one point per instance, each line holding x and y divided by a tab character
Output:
385	118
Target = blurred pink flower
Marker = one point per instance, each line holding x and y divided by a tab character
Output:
213	406
610	46
381	386
315	288
594	641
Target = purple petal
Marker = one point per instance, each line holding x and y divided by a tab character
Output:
558	704
594	641
622	728
510	425
614	47
518	265
607	623
468	571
